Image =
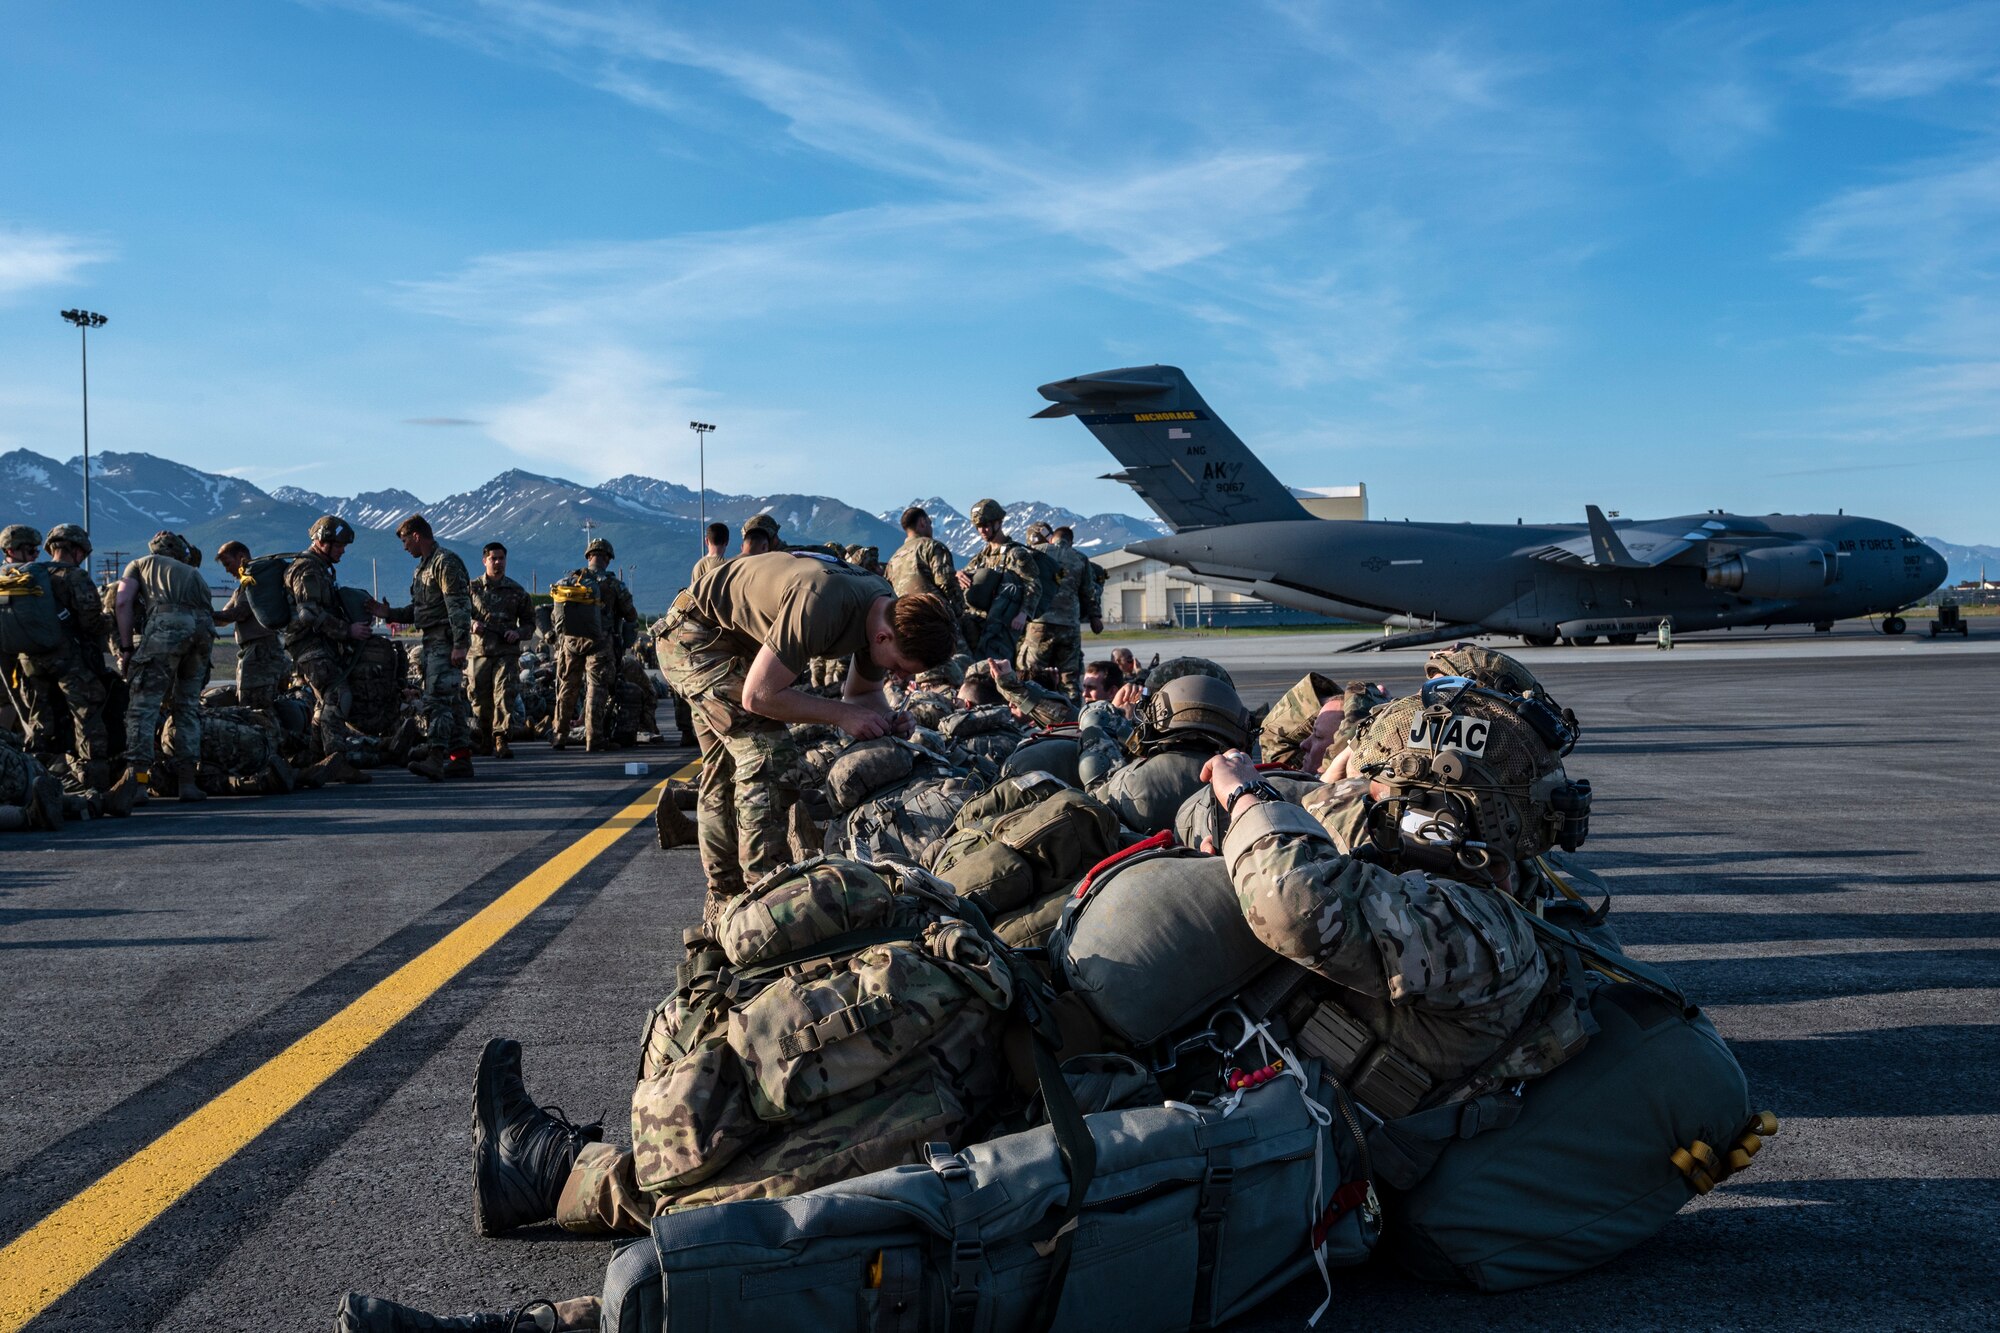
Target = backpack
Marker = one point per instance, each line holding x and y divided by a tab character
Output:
30	621
1154	940
846	1014
1051	571
263	580
906	823
1016	852
1049	753
576	609
1189	1217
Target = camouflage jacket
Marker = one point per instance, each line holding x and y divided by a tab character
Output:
498	605
1291	719
924	564
318	621
618	618
1449	975
1075	594
440	598
1037	704
1010	557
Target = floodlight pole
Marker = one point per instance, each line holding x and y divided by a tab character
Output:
701	430
85	321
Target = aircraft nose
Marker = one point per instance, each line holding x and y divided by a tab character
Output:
1935	567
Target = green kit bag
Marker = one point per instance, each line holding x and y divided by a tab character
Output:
1587	1169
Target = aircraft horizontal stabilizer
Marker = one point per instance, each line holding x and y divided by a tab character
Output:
1179	457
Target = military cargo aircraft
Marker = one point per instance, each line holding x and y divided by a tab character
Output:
1241	530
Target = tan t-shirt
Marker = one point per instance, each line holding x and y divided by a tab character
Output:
169	583
798	606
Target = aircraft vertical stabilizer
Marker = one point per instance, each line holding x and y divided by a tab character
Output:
1179	457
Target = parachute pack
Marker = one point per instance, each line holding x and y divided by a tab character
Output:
575	609
263	580
30	621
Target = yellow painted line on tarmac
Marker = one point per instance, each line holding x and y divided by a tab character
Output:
65	1247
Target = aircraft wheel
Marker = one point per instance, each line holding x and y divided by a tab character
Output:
1894	625
1622	640
1822	627
1539	640
1583	640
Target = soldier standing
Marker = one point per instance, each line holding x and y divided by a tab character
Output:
63	690
735	644
924	564
716	541
441	606
1014	585
261	664
589	662
166	631
1054	639
502	616
321	634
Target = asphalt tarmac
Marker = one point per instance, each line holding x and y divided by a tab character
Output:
1803	839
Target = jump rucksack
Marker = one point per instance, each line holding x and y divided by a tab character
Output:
263	580
30	620
1018	849
576	609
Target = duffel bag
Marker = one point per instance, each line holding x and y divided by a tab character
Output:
1603	1152
30	621
1191	1216
1155	941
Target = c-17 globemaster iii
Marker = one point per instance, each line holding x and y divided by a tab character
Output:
1240	529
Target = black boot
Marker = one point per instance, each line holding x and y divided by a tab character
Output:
45	804
675	829
521	1153
430	765
373	1314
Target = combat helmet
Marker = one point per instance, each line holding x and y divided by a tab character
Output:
1476	771
987	511
1196	706
1175	667
599	545
169	544
19	534
1484	666
763	523
1038	532
69	533
331	529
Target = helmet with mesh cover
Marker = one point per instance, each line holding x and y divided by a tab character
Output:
16	536
171	545
1485	666
68	534
1476	766
332	529
1196	706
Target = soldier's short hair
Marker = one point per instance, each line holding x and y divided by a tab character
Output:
416	523
979	691
924	629
718	534
1106	669
1066	533
491	547
230	548
912	516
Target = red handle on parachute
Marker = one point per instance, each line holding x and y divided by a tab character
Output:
1164	838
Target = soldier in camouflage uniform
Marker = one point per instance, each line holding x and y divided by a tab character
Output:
1147	777
261	665
1444	990
166	632
1017	577
63	691
441	606
321	633
502	619
924	564
589	666
30	799
1054	640
1299	731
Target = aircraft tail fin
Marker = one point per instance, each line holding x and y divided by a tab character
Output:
1604	541
1187	466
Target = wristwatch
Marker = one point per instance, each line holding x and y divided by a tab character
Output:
1262	789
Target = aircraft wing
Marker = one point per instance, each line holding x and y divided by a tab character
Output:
1643	545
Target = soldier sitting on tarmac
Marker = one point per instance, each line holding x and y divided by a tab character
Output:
734	645
1146	777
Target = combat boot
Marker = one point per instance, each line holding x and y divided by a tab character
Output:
429	765
118	800
281	775
373	1314
97	775
187	782
521	1153
560	739
458	764
675	829
501	749
44	806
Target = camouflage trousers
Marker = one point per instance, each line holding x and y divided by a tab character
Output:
19	771
494	683
167	673
447	718
261	669
65	705
587	667
326	675
750	771
240	748
1049	646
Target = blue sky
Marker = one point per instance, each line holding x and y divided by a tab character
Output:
1496	260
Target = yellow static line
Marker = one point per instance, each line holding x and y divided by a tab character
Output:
65	1247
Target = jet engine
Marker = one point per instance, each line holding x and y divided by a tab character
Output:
1779	572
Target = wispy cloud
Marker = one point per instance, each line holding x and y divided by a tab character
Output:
441	421
30	259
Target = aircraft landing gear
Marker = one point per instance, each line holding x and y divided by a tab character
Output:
1822	627
1582	640
1621	640
1539	640
1894	624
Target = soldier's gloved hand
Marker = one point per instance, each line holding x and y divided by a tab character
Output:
1097	625
1000	667
512	636
1225	773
